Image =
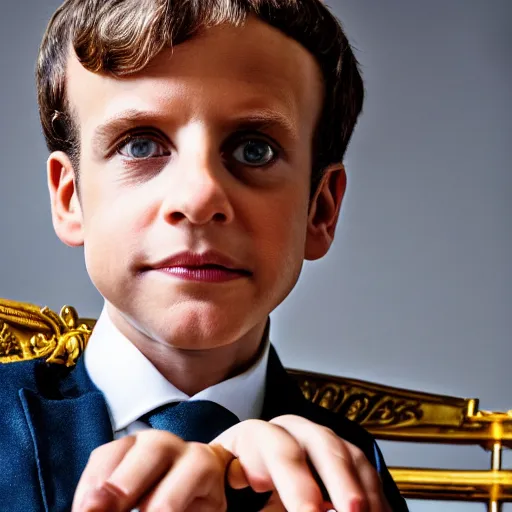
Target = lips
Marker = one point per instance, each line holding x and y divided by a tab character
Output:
209	266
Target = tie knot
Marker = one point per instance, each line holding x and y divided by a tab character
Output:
194	420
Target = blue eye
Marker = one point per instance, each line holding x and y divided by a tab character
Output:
140	148
254	153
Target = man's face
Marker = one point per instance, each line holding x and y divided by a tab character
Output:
206	154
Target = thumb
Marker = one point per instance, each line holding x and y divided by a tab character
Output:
236	475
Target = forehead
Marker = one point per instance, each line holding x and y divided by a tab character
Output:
223	71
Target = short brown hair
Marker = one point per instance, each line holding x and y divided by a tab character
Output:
121	37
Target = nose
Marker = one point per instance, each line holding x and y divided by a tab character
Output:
197	192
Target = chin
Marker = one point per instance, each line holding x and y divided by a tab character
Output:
198	328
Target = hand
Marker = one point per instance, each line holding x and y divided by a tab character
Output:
275	456
153	470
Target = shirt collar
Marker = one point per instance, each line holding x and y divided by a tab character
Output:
132	386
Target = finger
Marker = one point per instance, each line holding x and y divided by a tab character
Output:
150	457
292	478
370	481
234	440
204	505
196	480
276	505
273	460
224	456
197	505
89	494
333	462
236	477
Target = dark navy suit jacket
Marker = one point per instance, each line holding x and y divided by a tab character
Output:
51	418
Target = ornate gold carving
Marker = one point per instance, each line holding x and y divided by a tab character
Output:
406	415
29	332
9	344
365	407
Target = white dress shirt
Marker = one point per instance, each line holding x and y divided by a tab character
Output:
132	386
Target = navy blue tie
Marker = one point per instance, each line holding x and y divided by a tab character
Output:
194	420
202	421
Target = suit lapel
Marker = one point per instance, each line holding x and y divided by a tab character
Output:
64	432
282	395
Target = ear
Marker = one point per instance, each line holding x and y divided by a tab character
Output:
324	211
66	209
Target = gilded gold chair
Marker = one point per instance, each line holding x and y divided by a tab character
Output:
411	416
30	332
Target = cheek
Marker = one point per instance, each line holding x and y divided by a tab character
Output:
114	211
114	227
282	237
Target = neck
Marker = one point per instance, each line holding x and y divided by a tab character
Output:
192	370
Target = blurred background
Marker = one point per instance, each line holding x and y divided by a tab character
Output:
417	290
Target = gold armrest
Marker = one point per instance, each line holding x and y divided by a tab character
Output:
397	414
462	485
405	415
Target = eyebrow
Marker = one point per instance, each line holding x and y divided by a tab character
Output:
255	119
266	119
124	121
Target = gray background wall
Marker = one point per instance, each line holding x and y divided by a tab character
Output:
417	290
